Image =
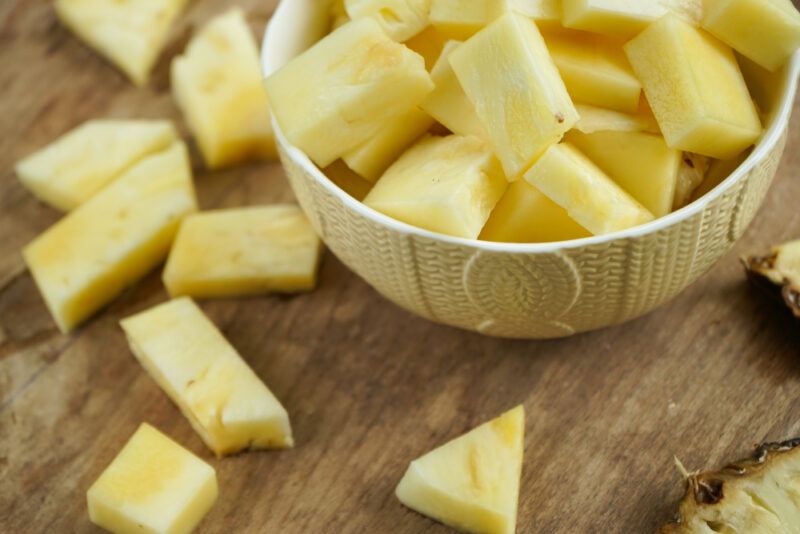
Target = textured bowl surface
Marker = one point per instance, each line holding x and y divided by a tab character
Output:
524	290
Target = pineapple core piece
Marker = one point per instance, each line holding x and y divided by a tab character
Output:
766	31
782	269
641	163
443	184
244	251
223	399
542	11
622	18
80	163
339	93
472	482
523	109
400	19
129	33
695	88
153	485
594	119
87	258
525	215
460	19
591	198
217	85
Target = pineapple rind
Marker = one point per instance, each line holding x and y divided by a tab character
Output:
782	269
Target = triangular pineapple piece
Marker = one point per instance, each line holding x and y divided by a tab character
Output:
472	482
80	163
130	33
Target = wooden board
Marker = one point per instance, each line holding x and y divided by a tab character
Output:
369	387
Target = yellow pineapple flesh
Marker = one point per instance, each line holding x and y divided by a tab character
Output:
400	19
347	180
781	268
622	18
429	44
691	174
542	11
593	119
460	19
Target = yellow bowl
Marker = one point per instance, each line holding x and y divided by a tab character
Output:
533	291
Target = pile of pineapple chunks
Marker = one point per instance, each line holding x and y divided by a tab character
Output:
533	120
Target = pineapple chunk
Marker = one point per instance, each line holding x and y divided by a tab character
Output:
429	44
590	197
347	180
525	215
523	109
641	163
695	88
80	163
337	14
243	251
593	119
223	399
460	19
594	69
87	258
443	184
781	268
623	18
542	11
691	174
371	159
718	171
472	482
153	485
129	34
336	95
217	85
766	31
400	19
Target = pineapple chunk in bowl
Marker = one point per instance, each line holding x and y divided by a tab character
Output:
535	291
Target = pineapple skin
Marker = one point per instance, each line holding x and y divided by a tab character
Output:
400	19
691	174
153	485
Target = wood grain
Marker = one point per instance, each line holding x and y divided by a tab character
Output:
368	386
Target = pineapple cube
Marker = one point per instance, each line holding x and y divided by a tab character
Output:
429	44
460	19
695	88
337	14
348	181
400	19
371	159
594	69
80	163
766	31
525	215
472	482
129	34
591	198
691	174
244	251
622	18
217	85
443	184
223	399
153	485
593	119
542	11
336	95
641	163
87	258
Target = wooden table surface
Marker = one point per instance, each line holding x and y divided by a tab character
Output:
369	387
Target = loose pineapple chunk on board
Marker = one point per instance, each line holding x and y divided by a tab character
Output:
223	399
77	165
622	18
443	184
336	95
591	198
695	88
593	119
525	215
347	180
518	95
245	251
129	33
472	482
542	11
217	85
641	163
87	258
429	44
153	485
400	19
691	174
460	19
766	31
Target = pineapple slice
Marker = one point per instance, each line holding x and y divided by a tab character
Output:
472	482
525	215
695	88
460	19
594	69
781	268
87	258
129	34
591	198
523	109
153	485
371	159
593	119
348	181
80	163
217	85
542	11
691	174
400	19
336	95
429	44
641	163
223	399
623	18
443	184
766	31
244	251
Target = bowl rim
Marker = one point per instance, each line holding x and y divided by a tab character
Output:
769	139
